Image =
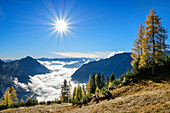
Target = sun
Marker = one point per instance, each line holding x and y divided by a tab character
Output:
61	26
61	21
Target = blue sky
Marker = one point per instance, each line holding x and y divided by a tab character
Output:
98	27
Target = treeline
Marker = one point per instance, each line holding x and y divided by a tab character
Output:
94	86
97	82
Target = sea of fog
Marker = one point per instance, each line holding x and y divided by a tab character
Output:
48	86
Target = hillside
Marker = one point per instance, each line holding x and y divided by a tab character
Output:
117	64
146	96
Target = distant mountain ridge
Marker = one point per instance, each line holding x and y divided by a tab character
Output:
118	64
8	60
63	59
20	69
70	62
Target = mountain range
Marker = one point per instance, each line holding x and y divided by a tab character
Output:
58	67
20	69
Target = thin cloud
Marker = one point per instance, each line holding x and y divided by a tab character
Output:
87	55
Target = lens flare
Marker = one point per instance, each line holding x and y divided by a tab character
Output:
61	25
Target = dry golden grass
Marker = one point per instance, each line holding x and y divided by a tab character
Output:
39	108
144	97
147	97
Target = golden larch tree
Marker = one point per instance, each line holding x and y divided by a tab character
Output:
9	97
137	50
156	37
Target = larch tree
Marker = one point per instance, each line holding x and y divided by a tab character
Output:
89	85
137	50
98	81
75	93
144	57
22	100
156	36
9	97
84	90
12	91
78	93
150	46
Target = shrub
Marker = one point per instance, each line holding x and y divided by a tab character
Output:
32	102
75	101
89	95
106	93
57	101
127	78
14	105
85	100
22	103
42	103
3	107
49	102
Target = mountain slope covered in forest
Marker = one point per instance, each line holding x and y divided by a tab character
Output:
117	64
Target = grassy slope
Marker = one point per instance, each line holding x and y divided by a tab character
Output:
149	97
146	96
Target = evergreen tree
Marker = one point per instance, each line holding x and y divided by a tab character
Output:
79	93
93	76
112	77
103	80
137	50
84	91
93	85
65	82
107	83
65	91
